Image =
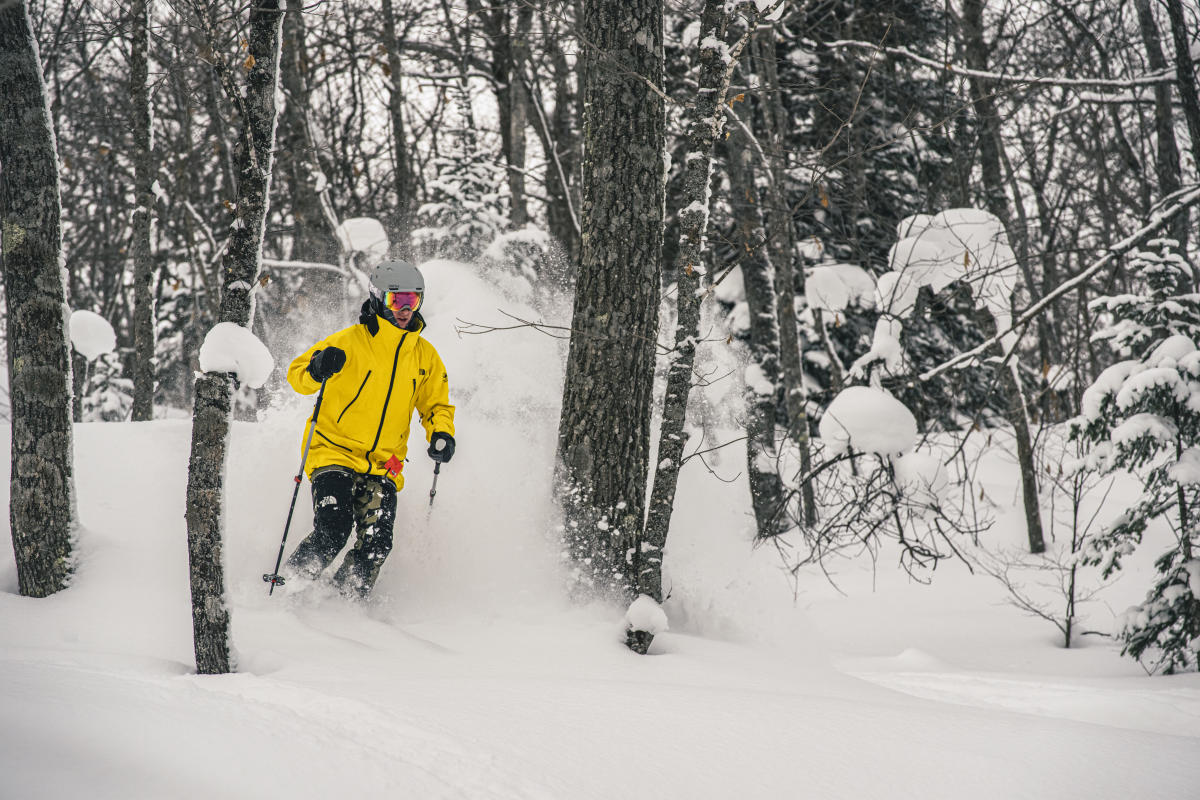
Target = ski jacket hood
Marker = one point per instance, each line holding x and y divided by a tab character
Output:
367	410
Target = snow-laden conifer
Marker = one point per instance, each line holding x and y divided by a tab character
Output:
1143	415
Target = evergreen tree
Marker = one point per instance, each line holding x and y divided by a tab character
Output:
1143	415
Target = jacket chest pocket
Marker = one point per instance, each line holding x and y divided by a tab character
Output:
357	394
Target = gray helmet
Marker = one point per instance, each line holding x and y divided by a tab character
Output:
397	276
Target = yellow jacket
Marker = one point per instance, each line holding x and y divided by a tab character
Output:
368	406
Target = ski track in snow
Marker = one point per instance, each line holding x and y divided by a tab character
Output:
1115	704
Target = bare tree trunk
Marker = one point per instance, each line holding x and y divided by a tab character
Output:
1185	70
783	254
143	213
997	204
518	114
1167	160
604	429
240	267
41	506
313	238
406	192
559	138
705	122
762	373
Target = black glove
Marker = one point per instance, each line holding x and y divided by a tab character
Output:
441	447
326	363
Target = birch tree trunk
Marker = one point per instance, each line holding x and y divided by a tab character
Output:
143	179
41	505
240	271
604	428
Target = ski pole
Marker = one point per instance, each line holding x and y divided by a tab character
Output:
437	468
273	577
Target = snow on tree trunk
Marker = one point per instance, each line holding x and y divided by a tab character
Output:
240	267
762	373
41	505
705	121
604	428
779	238
140	249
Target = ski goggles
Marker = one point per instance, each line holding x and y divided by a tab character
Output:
398	301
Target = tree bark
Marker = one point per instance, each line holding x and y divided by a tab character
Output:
783	256
997	204
41	505
406	192
1185	71
141	251
518	115
604	428
766	489
705	121
1167	160
240	268
560	140
312	238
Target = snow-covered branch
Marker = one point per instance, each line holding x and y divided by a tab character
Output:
1003	78
1180	202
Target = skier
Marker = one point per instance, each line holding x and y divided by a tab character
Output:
376	373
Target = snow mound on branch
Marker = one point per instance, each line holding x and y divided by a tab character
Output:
363	235
896	293
959	244
834	287
885	347
1186	471
1139	425
1171	351
1107	384
825	290
91	334
645	614
870	420
1136	386
229	347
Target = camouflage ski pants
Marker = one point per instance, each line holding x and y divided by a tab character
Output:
346	501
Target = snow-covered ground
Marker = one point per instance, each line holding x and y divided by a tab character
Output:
469	676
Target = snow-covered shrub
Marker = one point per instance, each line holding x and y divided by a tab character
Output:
1143	415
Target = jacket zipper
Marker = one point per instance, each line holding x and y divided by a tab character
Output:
387	399
356	394
332	442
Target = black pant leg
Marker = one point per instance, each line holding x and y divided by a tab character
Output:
333	519
374	515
